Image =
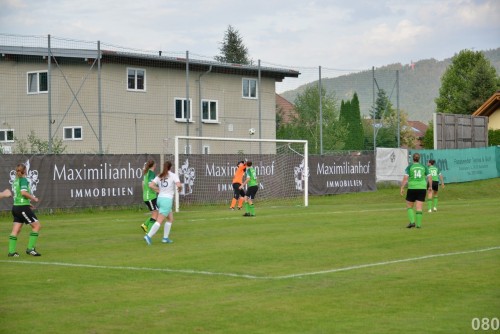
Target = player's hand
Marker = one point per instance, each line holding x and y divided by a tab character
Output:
6	193
35	199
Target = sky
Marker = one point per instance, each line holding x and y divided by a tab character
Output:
337	34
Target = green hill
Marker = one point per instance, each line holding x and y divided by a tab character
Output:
418	85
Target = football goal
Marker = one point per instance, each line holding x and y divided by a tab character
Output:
206	166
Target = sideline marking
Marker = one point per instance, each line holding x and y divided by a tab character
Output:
255	277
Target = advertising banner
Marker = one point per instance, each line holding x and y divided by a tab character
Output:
461	165
208	178
341	174
77	181
391	164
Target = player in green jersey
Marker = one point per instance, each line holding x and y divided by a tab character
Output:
432	194
148	194
252	188
23	213
416	176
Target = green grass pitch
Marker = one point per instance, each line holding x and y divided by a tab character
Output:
345	264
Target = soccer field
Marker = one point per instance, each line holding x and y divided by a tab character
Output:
345	264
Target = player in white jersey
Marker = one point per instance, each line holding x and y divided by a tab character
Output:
164	184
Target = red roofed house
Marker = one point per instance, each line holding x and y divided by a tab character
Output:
285	109
419	130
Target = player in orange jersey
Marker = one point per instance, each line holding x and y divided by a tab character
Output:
239	194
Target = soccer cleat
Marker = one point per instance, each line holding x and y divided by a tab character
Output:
429	210
410	225
15	254
247	214
435	209
232	209
144	228
239	208
148	239
167	241
33	252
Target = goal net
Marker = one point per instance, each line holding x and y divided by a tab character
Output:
206	166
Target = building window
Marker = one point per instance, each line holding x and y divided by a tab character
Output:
182	111
187	149
249	88
6	136
37	82
209	111
73	133
136	79
206	149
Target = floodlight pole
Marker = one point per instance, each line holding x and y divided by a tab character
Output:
373	104
320	114
397	107
49	88
99	99
260	107
188	106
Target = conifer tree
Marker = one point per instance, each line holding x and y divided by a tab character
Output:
232	49
355	133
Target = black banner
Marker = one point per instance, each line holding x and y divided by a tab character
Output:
208	178
78	181
341	174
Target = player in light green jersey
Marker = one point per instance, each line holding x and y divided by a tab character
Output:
148	195
252	188
432	194
23	213
416	176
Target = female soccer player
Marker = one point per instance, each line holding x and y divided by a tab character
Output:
164	184
239	194
417	176
432	195
148	194
253	187
23	213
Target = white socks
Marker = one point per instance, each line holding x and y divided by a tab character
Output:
154	229
166	230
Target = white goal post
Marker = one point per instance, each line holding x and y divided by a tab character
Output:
206	166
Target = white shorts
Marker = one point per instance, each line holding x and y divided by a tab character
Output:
164	205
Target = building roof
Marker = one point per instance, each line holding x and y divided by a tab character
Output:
285	108
490	106
131	58
418	128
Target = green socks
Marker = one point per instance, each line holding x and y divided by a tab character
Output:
429	204
419	218
252	209
411	215
32	240
150	223
435	201
12	243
